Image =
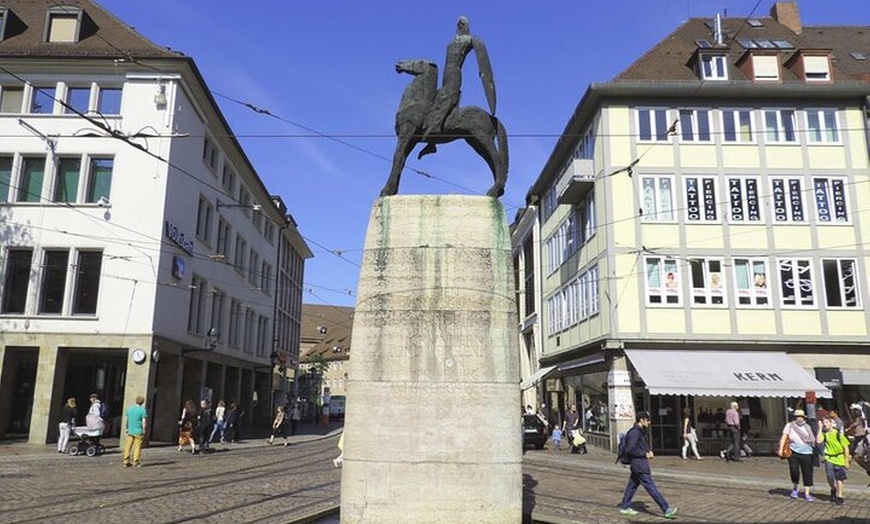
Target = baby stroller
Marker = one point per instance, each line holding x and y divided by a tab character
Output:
88	442
577	441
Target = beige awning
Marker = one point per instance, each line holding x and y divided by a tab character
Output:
536	377
723	373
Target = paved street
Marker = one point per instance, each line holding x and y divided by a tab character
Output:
255	483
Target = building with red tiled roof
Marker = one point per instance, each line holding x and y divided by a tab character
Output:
698	234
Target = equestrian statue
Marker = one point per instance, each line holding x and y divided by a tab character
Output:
433	115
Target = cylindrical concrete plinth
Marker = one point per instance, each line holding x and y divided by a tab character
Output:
432	428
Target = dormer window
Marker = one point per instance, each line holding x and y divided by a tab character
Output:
817	69
4	15
714	67
765	68
63	24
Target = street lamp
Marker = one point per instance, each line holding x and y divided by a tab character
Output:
210	342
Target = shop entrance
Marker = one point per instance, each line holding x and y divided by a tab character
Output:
101	372
19	372
665	411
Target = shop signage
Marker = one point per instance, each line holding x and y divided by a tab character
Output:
178	237
757	377
830	377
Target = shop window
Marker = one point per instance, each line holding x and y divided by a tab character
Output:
744	199
796	283
658	198
16	281
830	196
662	281
701	201
751	282
841	283
707	285
788	200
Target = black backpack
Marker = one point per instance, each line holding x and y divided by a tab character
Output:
622	456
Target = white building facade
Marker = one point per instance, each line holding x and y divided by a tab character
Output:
140	249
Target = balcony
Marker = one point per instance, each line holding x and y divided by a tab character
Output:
576	181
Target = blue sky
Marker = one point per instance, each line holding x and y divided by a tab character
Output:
327	67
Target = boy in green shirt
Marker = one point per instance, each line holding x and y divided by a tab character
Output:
836	456
136	420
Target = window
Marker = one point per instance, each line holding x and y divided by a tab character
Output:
79	99
737	125
788	203
66	184
5	177
714	67
209	154
765	67
779	125
269	232
218	298
257	220
658	198
109	101
235	323
223	238
841	283
43	100
253	267
662	281
266	277
240	252
750	281
196	308
695	125
63	24
99	179
228	178
550	202
32	174
744	199
11	99
830	195
796	282
263	335
87	283
817	68
245	201
17	280
707	285
652	124
54	269
4	15
529	276
822	126
248	337
203	219
701	199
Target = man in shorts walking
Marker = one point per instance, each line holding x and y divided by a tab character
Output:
836	456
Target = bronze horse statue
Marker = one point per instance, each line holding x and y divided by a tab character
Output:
481	130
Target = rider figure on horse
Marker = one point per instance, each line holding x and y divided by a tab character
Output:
448	94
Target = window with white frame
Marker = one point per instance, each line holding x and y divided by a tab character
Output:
574	302
550	203
203	219
841	282
586	146
253	268
245	201
248	336
16	280
99	179
788	199
707	282
744	199
822	126
240	253
796	282
714	67
817	68
66	180
42	100
87	282
658	198
11	99
63	24
738	125
765	67
779	126
701	203
31	178
209	154
586	213
228	179
266	277
830	197
695	125
263	336
218	303
662	281
55	265
751	282
196	307
109	100
78	99
5	177
652	124
223	238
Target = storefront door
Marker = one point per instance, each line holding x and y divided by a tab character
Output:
665	412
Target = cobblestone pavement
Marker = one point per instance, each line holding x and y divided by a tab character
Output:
256	483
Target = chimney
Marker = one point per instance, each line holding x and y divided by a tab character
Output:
786	13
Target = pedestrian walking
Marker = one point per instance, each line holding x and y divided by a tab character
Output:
278	426
66	425
204	425
732	419
94	418
185	426
836	452
857	429
219	422
637	449
572	420
796	444
557	439
137	418
231	432
295	417
690	436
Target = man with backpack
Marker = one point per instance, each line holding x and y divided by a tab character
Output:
836	450
634	450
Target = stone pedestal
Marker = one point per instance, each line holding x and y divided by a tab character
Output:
433	423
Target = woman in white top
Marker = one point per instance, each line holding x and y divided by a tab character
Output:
798	437
219	422
690	436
